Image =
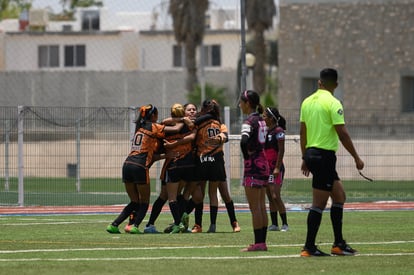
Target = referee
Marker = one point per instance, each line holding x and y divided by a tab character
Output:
322	126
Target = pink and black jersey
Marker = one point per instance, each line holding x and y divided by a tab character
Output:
255	162
271	145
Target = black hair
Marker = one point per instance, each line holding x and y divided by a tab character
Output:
210	107
145	113
329	77
276	116
253	98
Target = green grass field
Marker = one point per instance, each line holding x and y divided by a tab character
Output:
79	244
107	191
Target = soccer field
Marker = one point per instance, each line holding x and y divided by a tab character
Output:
69	244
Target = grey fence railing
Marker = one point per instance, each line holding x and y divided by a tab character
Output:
73	156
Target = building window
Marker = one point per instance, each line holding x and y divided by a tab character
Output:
75	56
407	96
90	20
309	85
211	55
178	56
48	56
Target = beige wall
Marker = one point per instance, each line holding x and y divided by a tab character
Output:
370	43
2	52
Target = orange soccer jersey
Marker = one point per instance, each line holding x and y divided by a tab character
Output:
146	142
182	149
206	131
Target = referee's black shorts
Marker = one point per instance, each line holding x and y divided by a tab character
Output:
322	165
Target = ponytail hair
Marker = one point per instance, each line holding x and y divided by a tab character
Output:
275	115
144	114
211	107
253	98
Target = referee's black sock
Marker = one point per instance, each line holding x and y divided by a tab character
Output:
314	221
337	210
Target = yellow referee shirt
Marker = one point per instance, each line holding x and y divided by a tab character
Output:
320	112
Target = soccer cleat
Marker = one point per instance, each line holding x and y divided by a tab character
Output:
212	228
255	247
312	253
128	227
178	228
168	229
113	229
236	227
134	230
150	229
284	228
185	220
273	228
343	249
196	229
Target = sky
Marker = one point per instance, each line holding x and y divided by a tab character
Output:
129	5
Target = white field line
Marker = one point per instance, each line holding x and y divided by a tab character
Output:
185	258
181	247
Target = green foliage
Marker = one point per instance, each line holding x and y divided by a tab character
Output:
211	92
13	8
269	98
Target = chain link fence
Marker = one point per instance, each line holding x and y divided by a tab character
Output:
73	156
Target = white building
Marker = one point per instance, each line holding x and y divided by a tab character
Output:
99	41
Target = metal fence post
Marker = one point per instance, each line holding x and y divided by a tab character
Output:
6	155
20	165
78	153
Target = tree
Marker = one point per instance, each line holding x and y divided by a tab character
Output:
212	92
259	17
13	8
68	14
189	23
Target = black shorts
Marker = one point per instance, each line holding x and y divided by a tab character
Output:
178	174
133	173
210	168
322	165
181	169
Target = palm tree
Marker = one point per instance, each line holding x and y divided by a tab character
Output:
189	22
259	17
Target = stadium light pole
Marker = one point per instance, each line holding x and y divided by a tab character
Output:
243	45
242	50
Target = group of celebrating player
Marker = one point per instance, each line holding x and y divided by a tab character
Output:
191	144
